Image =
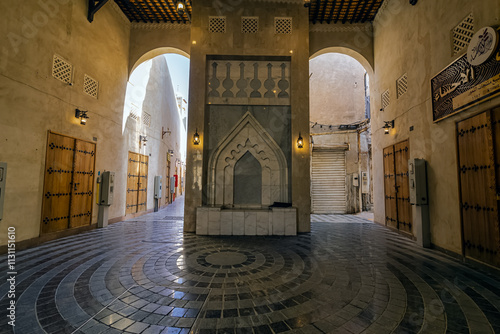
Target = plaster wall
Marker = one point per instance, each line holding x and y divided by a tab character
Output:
337	89
33	102
416	40
152	39
263	43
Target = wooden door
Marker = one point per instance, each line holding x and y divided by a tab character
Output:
166	186
391	213
137	183
143	183
82	189
68	185
478	151
134	161
398	211
401	156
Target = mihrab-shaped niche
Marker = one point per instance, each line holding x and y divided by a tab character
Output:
247	144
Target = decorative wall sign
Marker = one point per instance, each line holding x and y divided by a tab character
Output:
462	85
482	45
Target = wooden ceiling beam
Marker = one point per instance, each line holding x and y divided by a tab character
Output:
316	12
169	18
339	11
344	20
159	11
331	12
355	12
368	13
360	13
323	12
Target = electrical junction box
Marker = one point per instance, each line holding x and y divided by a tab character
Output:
365	183
355	180
107	188
3	182
417	177
158	186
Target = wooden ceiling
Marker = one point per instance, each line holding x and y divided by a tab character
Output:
344	11
320	11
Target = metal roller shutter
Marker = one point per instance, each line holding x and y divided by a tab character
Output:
328	192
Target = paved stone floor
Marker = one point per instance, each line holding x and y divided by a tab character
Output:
146	276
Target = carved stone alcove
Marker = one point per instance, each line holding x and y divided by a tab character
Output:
247	137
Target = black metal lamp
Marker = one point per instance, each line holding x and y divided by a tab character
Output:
82	115
307	3
196	138
300	141
388	125
143	140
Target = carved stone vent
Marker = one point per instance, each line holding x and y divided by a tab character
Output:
146	119
402	85
249	24
62	69
462	34
282	25
386	99
217	24
90	86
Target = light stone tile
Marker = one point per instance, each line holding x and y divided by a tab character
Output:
238	223
250	223
278	221
202	221
291	222
263	223
214	221
226	222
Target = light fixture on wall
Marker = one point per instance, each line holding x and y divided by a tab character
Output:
196	137
82	115
171	152
307	3
300	141
163	132
181	9
388	125
142	140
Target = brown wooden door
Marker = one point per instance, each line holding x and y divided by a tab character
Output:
83	184
137	183
391	214
478	151
398	211
167	181
401	156
143	183
63	206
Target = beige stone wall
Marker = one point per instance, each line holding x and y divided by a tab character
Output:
33	102
416	40
337	89
264	43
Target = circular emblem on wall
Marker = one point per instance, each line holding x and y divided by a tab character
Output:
482	45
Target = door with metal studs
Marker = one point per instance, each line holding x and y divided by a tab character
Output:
69	183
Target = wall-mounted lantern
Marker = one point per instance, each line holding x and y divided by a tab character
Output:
82	115
300	141
196	138
142	140
307	3
388	125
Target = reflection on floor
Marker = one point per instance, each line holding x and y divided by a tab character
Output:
147	276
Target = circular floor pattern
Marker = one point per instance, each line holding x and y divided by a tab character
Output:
150	277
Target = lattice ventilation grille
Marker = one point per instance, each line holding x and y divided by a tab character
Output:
386	99
146	119
134	112
283	25
249	24
62	70
90	86
402	85
217	24
462	34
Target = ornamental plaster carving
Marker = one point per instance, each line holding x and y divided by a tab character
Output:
247	136
161	26
340	27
